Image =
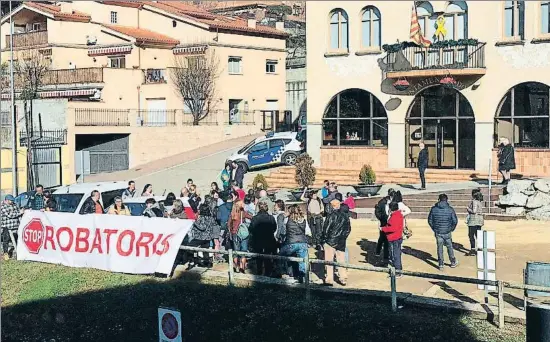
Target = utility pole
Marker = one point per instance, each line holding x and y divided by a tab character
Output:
13	115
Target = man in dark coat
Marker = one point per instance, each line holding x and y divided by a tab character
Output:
91	205
422	164
506	159
443	221
237	174
336	230
262	238
382	216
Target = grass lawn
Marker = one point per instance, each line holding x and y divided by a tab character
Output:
42	302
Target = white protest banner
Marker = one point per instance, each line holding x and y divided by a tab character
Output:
127	244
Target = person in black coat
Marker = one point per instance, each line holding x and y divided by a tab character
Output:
91	205
237	173
422	164
262	238
506	159
336	230
443	221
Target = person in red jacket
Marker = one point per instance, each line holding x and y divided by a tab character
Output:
394	233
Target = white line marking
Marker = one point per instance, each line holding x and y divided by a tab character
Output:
187	162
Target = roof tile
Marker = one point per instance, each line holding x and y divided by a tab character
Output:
213	20
143	35
57	14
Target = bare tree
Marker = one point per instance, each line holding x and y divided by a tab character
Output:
195	80
30	70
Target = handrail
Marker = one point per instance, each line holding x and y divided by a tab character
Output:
500	285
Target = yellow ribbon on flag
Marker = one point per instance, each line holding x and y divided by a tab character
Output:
441	31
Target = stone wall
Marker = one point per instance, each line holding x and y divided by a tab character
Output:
527	197
353	158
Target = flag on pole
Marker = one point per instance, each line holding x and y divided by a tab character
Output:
416	30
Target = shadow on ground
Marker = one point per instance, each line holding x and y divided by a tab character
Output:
221	313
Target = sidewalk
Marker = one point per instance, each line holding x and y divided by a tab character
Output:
172	161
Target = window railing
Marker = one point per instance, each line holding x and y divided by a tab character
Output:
154	76
101	117
44	138
27	39
460	56
238	117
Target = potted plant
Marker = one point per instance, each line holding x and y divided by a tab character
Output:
305	174
367	187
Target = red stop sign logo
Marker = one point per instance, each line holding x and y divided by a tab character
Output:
33	235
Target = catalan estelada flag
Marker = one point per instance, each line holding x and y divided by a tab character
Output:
416	31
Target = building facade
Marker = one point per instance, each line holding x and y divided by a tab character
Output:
376	96
112	63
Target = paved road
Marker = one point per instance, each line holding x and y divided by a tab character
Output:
203	171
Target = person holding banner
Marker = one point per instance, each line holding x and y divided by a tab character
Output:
10	217
91	205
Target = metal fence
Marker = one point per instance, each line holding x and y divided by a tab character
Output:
500	285
211	119
101	117
157	118
238	117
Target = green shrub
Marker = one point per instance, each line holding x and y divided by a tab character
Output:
305	171
259	182
367	175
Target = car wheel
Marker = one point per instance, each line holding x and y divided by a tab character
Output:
243	165
290	159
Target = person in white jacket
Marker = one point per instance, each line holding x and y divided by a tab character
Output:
398	198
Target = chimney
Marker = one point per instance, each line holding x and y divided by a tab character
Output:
280	25
252	23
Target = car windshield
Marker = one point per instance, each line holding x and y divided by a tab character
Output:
67	203
246	146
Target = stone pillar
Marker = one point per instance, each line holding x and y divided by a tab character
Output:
484	145
396	145
314	141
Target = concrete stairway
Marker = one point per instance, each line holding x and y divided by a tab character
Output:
284	177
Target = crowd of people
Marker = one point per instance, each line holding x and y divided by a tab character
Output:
232	218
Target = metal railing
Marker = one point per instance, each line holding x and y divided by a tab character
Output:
101	117
238	117
43	138
27	39
157	118
419	58
211	119
500	285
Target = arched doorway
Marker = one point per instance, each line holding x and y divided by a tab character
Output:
443	119
355	117
523	116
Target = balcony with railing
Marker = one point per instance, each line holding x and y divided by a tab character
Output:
462	57
26	39
102	117
59	77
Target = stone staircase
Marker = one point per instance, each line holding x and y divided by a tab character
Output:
283	177
421	203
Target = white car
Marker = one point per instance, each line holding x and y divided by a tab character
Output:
70	198
271	149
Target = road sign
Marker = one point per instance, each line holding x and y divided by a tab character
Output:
486	260
169	325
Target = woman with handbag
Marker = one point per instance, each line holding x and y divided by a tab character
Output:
405	211
475	219
238	234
